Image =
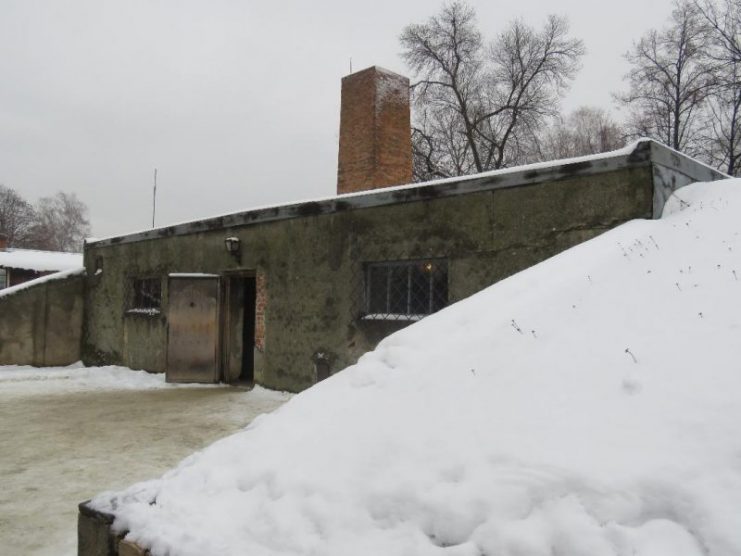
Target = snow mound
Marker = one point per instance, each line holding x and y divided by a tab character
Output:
588	406
79	378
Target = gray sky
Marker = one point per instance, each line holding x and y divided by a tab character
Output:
235	102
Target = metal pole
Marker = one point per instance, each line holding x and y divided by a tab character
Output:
154	197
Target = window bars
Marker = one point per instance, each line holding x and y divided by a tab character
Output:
404	290
145	295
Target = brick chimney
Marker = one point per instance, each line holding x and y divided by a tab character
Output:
375	131
3	242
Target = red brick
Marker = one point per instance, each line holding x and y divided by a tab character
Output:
375	131
261	301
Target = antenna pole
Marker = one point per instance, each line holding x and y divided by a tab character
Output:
154	197
350	64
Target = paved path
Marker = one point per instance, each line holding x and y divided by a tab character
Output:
58	448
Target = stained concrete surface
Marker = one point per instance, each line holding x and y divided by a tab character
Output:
58	448
41	324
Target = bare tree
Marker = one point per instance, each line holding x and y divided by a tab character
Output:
724	18
670	79
16	217
721	145
722	140
61	223
585	131
479	106
439	146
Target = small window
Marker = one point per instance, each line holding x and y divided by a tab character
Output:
146	296
407	290
3	278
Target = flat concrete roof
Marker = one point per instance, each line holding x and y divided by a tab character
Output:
641	153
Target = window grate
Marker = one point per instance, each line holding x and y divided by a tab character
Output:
404	290
145	295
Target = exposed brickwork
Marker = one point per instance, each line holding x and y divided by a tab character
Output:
261	300
375	131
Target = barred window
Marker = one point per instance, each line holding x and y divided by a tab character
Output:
405	290
145	295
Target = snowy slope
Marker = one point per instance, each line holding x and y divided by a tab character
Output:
588	406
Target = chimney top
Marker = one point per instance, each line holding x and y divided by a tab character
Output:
3	242
375	131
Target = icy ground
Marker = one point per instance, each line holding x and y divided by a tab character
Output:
68	433
589	406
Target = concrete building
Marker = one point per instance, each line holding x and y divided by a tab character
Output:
286	295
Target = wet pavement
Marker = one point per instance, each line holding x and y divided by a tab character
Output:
61	447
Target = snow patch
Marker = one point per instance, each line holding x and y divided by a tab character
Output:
77	377
192	275
151	312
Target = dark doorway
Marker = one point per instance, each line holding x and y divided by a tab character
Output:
238	328
248	330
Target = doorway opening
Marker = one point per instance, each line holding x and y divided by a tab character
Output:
238	328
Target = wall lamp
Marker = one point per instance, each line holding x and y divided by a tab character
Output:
234	247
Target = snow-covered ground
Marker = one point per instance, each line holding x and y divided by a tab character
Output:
68	433
589	406
78	378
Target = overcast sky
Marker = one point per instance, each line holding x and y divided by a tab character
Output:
236	102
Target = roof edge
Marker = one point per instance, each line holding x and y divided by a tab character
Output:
640	153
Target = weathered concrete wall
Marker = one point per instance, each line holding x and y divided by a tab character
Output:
94	534
41	325
313	265
672	171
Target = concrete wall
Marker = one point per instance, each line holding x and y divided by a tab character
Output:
313	265
94	533
41	325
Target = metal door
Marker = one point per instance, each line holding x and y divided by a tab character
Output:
193	335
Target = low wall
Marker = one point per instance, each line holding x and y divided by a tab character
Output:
41	321
95	536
